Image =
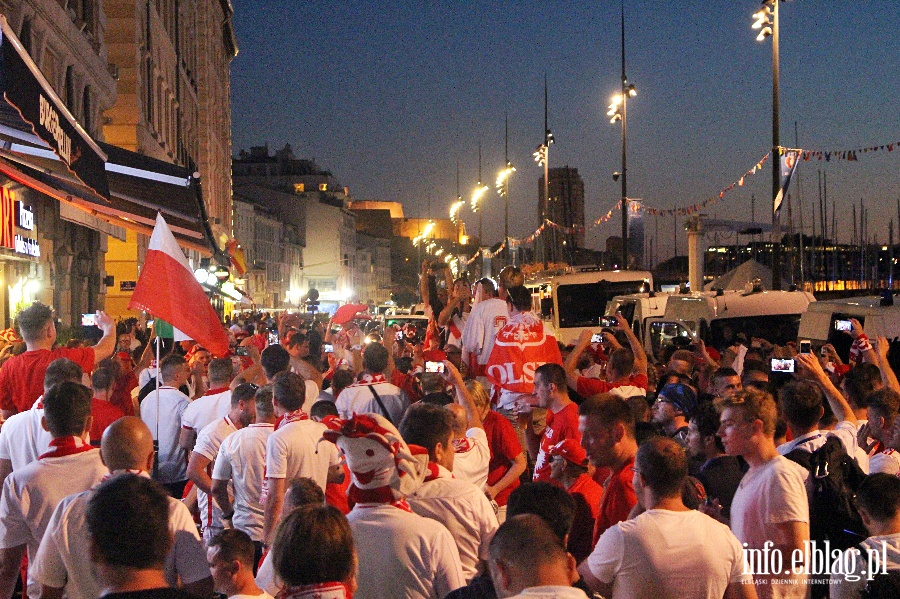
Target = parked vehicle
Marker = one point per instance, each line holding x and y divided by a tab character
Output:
826	321
639	309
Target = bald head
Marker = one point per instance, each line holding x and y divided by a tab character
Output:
127	444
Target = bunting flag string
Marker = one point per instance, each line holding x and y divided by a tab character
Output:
851	155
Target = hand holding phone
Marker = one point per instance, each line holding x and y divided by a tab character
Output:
242	350
89	320
436	367
805	346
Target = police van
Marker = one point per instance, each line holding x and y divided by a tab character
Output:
829	322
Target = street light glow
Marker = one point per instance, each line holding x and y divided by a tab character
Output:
503	175
455	208
476	196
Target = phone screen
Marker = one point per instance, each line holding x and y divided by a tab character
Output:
89	320
597	338
437	367
329	348
241	350
805	347
779	365
273	338
398	336
843	325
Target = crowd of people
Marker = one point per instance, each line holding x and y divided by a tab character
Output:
478	458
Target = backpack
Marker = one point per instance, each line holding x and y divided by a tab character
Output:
834	478
883	585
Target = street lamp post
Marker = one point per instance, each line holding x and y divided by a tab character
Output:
542	157
503	188
618	112
767	23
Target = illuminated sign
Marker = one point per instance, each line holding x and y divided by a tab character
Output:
25	217
7	219
27	246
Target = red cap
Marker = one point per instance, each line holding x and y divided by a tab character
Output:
571	450
434	355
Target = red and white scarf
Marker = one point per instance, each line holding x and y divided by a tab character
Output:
322	590
63	446
364	498
295	416
368	378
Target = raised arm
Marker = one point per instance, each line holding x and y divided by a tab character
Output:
640	358
839	405
572	361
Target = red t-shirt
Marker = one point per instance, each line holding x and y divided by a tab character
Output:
336	494
618	499
104	413
561	425
22	376
587	495
588	387
505	447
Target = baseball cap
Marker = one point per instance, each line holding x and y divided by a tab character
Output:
571	450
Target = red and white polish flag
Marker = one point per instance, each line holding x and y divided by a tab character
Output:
168	290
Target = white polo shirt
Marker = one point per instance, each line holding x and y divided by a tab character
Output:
22	438
61	561
31	494
172	404
473	457
242	459
294	451
402	554
204	410
464	510
208	442
359	399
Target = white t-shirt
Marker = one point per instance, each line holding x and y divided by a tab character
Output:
485	321
266	578
471	463
459	323
263	595
172	404
62	560
204	410
294	451
773	493
242	459
31	494
842	588
550	592
466	512
844	430
23	439
358	399
887	461
402	554
208	442
664	553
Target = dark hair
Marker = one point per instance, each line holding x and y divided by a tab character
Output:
610	410
67	406
621	360
519	297
264	407
61	370
323	408
289	390
706	418
663	465
552	373
860	381
375	358
879	495
234	545
886	402
801	403
135	504
221	370
170	365
487	286
526	541
550	503
313	544
102	379
723	372
305	491
274	359
340	381
426	425
244	392
33	319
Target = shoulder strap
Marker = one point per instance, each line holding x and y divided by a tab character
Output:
381	404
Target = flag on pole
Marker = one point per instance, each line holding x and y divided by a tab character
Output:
166	331
788	164
168	290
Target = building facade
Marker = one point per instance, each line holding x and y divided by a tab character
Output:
565	208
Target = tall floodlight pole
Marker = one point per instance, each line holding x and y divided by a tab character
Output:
542	157
503	186
617	112
767	23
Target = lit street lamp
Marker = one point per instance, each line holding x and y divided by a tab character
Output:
767	24
617	112
542	157
503	186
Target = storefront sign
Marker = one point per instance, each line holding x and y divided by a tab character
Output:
27	246
25	217
7	219
26	88
127	285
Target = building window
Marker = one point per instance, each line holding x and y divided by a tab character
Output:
86	110
70	89
323	186
299	187
25	35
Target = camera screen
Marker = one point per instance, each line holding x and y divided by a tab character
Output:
843	325
779	365
597	338
242	350
437	367
89	320
329	348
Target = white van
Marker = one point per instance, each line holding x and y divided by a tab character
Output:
717	317
638	309
825	322
570	302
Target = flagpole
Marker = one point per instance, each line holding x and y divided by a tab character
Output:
156	440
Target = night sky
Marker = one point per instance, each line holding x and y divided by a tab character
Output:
390	96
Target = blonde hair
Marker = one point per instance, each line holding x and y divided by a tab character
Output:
478	393
755	405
